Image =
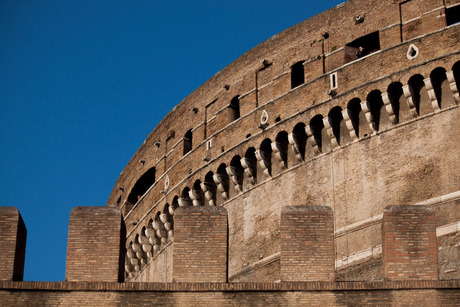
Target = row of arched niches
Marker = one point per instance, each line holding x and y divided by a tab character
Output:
361	118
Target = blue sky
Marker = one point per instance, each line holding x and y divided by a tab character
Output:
82	83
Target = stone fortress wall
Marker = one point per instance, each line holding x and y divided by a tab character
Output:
300	119
305	163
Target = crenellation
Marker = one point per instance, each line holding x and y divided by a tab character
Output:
13	234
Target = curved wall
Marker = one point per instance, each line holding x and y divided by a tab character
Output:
357	134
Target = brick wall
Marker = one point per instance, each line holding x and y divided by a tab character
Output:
307	243
95	244
200	244
413	293
409	243
13	235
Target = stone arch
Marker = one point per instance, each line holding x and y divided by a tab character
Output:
160	230
456	72
174	205
151	234
357	125
454	79
337	130
209	188
441	88
395	104
168	222
184	200
221	180
298	140
146	246
132	263
196	194
249	163
264	157
377	116
418	95
140	254
280	150
235	173
141	186
314	132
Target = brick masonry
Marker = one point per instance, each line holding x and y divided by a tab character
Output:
409	243
95	244
407	293
358	175
13	235
358	172
307	243
200	244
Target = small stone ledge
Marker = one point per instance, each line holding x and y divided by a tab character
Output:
306	208
200	209
227	287
409	208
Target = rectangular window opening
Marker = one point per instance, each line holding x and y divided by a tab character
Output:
453	15
362	46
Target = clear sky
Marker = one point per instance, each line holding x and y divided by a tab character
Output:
83	82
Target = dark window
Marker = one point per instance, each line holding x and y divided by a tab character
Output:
142	185
335	114
438	77
300	138
395	92
362	46
375	102
251	158
266	152
416	84
211	188
282	140
236	166
316	126
297	74
453	15
188	137
354	107
233	109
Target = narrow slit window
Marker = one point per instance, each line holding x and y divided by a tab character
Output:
333	79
